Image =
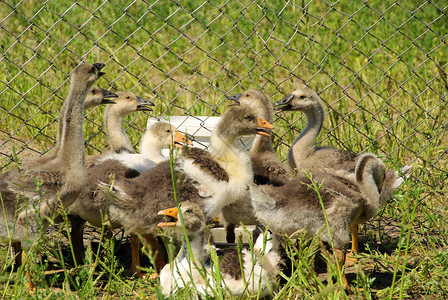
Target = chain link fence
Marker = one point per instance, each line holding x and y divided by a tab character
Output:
379	66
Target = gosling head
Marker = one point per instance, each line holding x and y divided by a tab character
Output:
98	96
302	99
165	135
87	73
258	101
194	218
128	102
239	121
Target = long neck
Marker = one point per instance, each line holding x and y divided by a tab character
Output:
54	152
118	139
369	189
305	144
390	185
56	148
71	148
151	149
196	245
235	161
261	144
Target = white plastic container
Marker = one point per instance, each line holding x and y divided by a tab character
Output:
199	128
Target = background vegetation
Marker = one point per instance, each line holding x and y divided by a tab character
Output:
380	67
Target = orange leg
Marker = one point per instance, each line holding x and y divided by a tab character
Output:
351	260
155	250
340	267
29	285
135	253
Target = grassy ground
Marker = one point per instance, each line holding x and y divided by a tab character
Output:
379	67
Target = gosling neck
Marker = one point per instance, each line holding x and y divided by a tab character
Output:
263	144
305	144
389	186
365	178
118	139
196	245
235	161
151	149
71	148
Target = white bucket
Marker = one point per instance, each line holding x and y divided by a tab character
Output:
198	128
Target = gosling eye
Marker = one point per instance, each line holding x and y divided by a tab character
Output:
302	97
93	92
247	95
250	118
168	131
128	97
188	210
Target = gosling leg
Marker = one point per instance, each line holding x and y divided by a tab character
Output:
135	254
153	243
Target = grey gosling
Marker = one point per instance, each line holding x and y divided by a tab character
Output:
125	103
347	200
32	192
161	135
304	154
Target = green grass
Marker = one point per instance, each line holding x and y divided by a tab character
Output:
380	67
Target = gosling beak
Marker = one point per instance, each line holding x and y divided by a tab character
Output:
180	140
170	216
263	127
216	219
108	94
142	104
284	104
235	98
99	66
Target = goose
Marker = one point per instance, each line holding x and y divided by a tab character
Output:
95	97
125	103
157	137
133	203
114	115
305	155
258	268
348	200
25	207
267	166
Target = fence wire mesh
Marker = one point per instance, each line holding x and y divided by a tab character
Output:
380	67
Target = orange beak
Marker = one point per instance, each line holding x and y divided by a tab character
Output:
172	213
216	219
263	127
180	139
